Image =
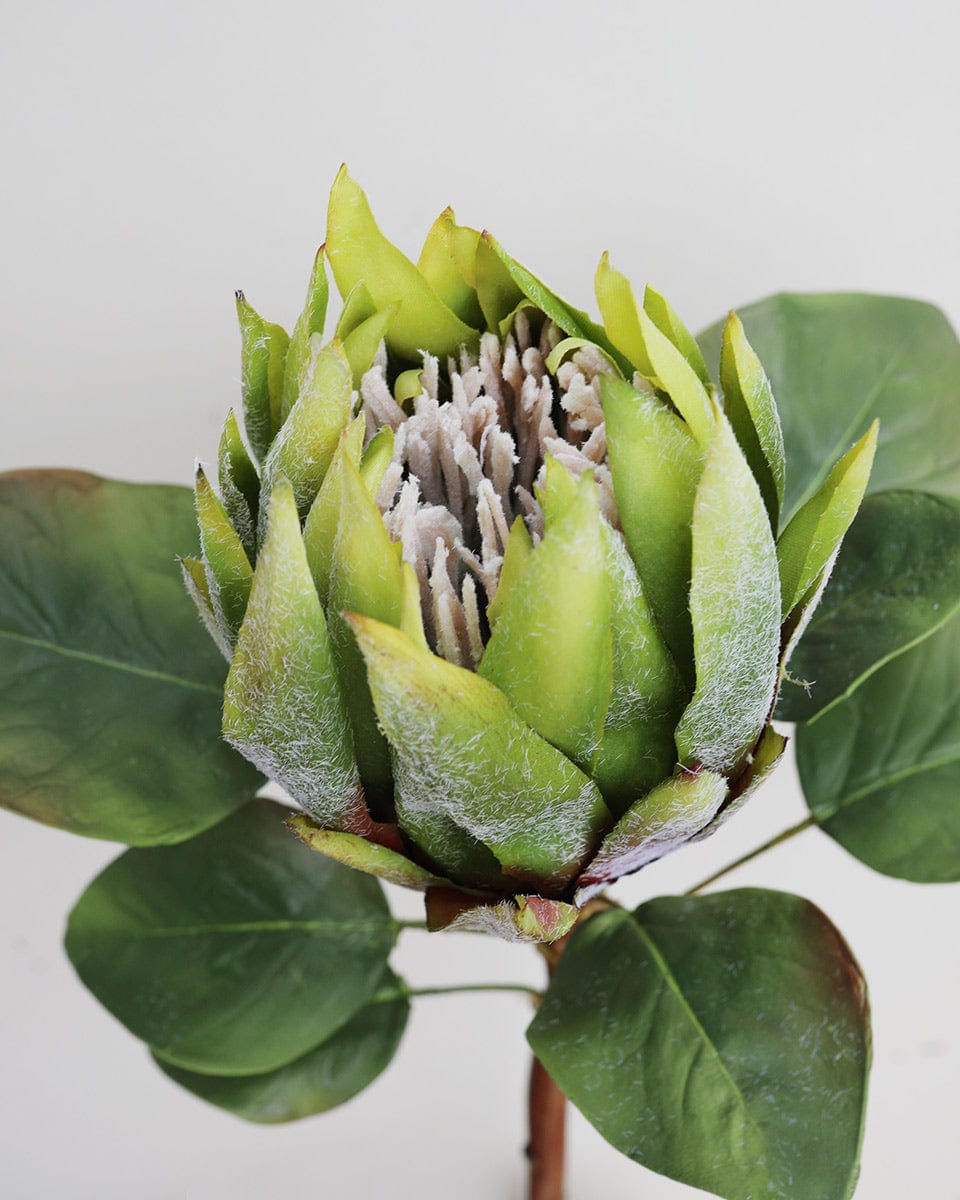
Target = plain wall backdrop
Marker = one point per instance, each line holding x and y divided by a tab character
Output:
155	156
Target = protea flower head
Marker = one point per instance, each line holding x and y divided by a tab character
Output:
501	587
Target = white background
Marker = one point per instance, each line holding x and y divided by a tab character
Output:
157	155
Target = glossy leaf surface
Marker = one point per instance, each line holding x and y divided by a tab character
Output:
110	688
233	953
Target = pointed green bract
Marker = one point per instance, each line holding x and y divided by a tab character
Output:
262	356
358	306
662	314
320	527
674	375
304	446
516	555
446	263
198	589
365	577
571	320
462	752
239	484
661	821
752	412
310	322
550	651
361	344
813	537
359	253
765	757
618	307
229	572
282	705
369	857
497	293
656	465
636	748
735	609
376	458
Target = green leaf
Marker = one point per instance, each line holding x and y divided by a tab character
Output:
110	688
735	609
304	446
656	466
462	753
236	952
752	412
706	1038
359	253
263	352
282	705
896	581
550	650
837	362
882	774
310	321
330	1074
813	537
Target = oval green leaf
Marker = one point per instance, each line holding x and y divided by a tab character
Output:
896	581
323	1078
110	688
882	774
707	1037
236	952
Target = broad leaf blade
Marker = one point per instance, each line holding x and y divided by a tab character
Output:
882	773
233	953
708	1038
110	688
896	581
323	1078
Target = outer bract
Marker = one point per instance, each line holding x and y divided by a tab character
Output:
501	585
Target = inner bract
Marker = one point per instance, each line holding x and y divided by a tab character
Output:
469	459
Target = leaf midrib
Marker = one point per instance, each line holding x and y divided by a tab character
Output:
675	988
114	664
864	793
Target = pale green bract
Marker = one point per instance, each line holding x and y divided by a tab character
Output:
504	598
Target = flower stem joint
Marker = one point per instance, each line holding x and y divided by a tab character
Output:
504	591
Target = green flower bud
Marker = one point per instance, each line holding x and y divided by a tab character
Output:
504	601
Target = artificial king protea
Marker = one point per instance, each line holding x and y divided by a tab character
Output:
508	600
504	591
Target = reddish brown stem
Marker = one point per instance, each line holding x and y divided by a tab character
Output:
548	1112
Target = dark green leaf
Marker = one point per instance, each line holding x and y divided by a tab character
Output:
110	688
720	1040
836	362
882	773
233	953
895	582
330	1074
